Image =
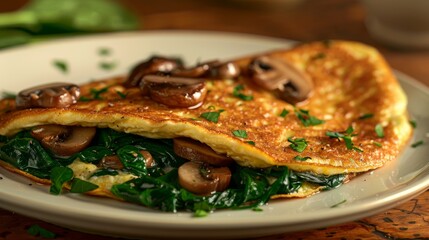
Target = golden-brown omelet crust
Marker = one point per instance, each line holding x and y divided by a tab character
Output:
350	80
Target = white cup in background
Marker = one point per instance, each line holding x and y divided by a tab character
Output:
399	23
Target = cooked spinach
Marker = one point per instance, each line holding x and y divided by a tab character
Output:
82	186
59	176
156	187
28	155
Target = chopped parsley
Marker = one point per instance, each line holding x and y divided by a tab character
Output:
338	204
366	116
61	65
297	144
416	144
8	95
121	94
240	133
379	130
237	92
212	116
378	144
251	143
306	119
346	136
107	65
36	230
104	51
299	158
95	94
284	113
413	123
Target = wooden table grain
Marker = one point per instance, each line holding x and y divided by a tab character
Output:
301	20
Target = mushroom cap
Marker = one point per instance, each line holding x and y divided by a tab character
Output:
50	95
278	75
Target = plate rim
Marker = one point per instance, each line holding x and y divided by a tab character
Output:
398	197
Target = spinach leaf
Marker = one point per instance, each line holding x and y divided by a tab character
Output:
104	172
59	176
82	186
133	160
151	192
329	182
28	155
93	154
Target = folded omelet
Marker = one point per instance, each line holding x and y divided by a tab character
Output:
353	120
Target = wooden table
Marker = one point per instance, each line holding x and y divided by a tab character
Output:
299	20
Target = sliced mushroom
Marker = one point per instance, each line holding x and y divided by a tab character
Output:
64	141
225	70
113	161
154	65
288	82
210	69
49	96
175	91
202	179
196	151
199	71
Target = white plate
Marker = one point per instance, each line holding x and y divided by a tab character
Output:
366	195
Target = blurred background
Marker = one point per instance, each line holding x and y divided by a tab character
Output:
29	21
398	28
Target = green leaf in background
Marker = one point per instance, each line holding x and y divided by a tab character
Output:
9	38
58	17
36	230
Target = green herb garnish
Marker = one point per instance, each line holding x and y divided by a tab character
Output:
338	204
104	51
59	176
418	143
121	94
297	144
107	65
284	113
366	116
8	95
81	186
299	158
251	143
95	94
413	123
36	230
378	144
237	92
346	136
61	65
212	116
306	119
240	133
379	130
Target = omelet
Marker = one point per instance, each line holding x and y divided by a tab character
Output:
352	119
